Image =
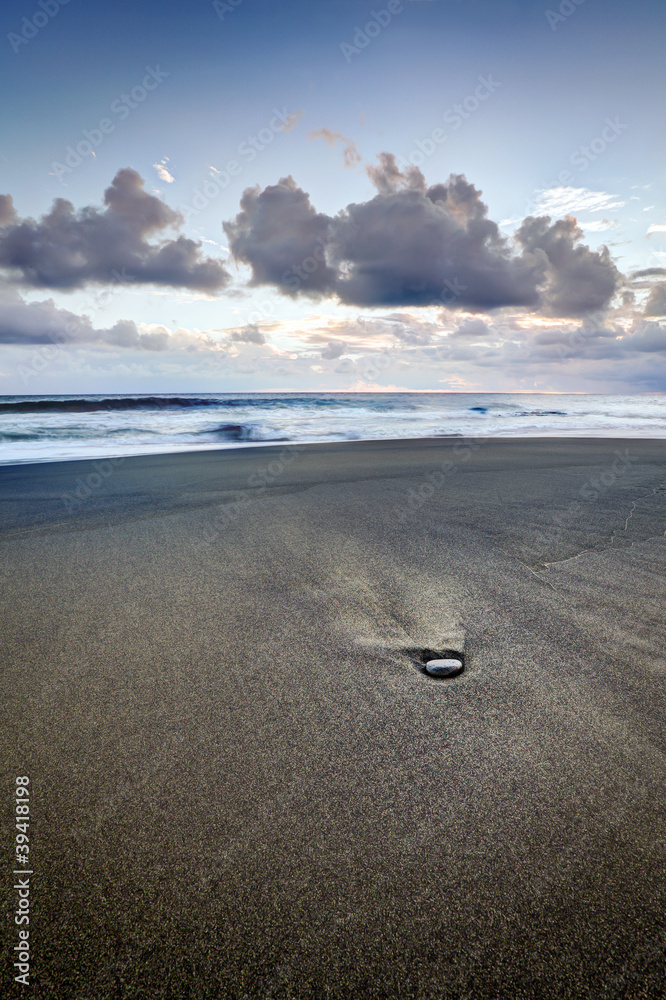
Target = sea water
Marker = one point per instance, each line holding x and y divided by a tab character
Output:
52	428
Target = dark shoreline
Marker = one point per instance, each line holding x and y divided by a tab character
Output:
242	784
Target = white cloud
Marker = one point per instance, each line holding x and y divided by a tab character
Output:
214	243
599	225
560	201
163	171
656	228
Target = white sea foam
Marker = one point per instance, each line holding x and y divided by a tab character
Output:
42	428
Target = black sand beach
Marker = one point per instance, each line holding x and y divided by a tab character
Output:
243	786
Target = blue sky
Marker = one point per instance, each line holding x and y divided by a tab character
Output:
546	111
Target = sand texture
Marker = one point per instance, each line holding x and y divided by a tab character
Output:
243	784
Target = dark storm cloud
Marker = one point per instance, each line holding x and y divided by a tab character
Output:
414	245
67	249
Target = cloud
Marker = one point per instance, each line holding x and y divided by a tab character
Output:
418	245
414	245
592	343
333	350
651	338
651	272
250	334
574	340
474	329
39	322
292	120
7	210
393	331
163	171
350	154
580	280
559	201
565	353
25	324
412	348
278	231
656	303
66	249
599	225
388	177
126	334
656	228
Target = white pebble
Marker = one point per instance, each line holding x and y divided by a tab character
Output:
443	668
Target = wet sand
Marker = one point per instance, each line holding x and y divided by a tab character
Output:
244	786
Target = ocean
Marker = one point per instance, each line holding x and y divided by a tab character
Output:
53	428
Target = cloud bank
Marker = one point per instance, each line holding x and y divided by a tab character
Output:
23	323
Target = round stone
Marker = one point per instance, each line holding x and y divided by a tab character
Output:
443	668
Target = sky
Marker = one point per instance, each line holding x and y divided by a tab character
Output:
321	195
